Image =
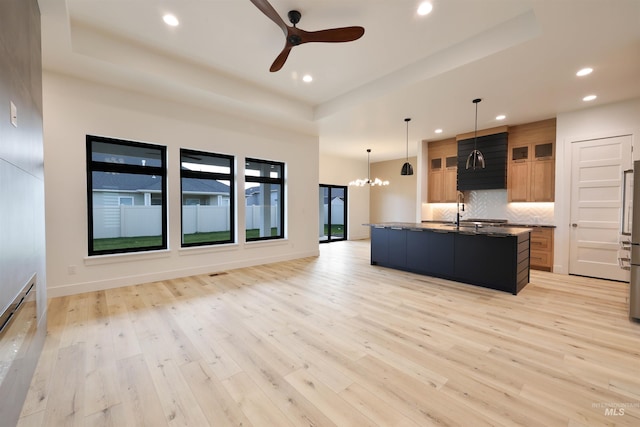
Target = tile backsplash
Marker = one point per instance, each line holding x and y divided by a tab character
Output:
492	204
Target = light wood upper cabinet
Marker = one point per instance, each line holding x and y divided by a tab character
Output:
436	186
450	179
518	180
531	162
443	171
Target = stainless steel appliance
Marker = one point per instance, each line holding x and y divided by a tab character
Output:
630	235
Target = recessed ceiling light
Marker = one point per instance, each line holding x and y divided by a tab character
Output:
589	98
425	8
307	78
584	72
438	131
501	117
170	20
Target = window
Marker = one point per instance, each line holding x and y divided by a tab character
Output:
127	201
207	198
264	199
126	188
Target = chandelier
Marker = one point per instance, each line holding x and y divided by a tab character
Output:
368	180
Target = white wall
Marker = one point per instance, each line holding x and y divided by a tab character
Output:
340	171
395	202
621	118
74	108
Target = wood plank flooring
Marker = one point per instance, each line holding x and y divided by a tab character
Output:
334	341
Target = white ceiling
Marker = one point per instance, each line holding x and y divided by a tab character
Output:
520	56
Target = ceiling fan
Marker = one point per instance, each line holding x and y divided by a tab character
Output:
295	36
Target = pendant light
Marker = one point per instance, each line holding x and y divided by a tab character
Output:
475	159
407	169
368	180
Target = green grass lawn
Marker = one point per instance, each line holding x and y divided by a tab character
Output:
336	230
119	243
215	236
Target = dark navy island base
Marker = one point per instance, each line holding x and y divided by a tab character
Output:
492	257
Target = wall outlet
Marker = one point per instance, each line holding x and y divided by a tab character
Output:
14	114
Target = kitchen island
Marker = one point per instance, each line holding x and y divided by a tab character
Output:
492	257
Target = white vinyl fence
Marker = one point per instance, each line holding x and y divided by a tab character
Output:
126	221
132	221
204	219
253	219
337	214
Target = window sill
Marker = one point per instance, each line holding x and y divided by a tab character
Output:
268	242
125	257
196	250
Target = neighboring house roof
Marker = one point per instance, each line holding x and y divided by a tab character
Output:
334	200
204	186
107	181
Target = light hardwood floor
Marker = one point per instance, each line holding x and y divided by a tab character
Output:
335	341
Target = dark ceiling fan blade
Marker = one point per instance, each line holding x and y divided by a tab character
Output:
333	35
281	59
266	8
295	36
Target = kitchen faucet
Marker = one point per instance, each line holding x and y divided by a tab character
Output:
459	201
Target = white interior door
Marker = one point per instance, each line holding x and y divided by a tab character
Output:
596	203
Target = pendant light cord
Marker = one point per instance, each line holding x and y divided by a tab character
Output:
407	122
475	132
475	139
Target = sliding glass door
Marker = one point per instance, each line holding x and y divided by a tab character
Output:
333	213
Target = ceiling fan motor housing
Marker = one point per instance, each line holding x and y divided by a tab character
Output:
294	17
294	39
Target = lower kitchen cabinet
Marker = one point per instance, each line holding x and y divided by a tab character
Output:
542	248
493	260
488	260
397	248
380	251
430	251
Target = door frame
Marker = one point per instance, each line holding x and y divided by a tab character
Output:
331	238
569	161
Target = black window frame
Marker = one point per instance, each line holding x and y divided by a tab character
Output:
268	180
97	166
186	173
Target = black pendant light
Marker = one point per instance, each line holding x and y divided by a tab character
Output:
407	169
475	159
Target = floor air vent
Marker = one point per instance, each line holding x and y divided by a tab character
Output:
217	274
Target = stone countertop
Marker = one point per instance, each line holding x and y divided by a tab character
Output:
503	224
452	228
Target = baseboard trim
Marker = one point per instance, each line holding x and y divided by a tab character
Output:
100	285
